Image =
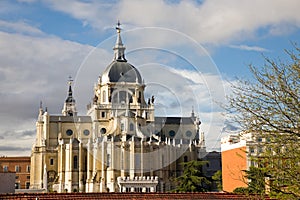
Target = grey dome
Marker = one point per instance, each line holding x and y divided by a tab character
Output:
121	71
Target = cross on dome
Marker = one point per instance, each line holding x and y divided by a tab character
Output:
119	48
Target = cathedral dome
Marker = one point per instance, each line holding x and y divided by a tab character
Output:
121	71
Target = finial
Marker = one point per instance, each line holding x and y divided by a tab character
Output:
118	27
41	105
70	80
193	113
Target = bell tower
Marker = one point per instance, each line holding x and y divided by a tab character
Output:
69	108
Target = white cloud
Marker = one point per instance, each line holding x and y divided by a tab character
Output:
249	48
19	27
32	69
212	21
35	66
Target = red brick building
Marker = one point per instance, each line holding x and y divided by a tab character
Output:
20	165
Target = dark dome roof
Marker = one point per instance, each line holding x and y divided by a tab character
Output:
121	71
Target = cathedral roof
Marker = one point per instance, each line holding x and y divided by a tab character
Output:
174	120
120	70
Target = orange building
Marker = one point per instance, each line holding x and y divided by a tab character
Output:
19	165
234	161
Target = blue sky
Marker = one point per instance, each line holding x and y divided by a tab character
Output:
201	46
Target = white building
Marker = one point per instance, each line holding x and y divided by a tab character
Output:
119	146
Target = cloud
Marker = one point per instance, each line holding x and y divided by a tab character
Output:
208	22
29	132
20	27
14	148
33	69
249	48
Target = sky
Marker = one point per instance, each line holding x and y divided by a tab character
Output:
188	52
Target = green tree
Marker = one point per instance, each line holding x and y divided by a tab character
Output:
269	108
256	177
217	177
241	190
192	179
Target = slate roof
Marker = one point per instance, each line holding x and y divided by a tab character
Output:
174	120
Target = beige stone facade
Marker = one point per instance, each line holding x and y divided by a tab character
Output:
119	146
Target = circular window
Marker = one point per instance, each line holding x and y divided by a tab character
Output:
188	133
86	132
103	130
172	133
69	132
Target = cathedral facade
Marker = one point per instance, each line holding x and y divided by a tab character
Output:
119	146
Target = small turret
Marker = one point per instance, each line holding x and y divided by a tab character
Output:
69	105
41	112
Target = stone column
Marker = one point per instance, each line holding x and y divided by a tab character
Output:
89	167
103	177
132	159
81	167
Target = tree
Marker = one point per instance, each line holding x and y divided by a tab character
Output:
256	177
217	177
269	109
192	179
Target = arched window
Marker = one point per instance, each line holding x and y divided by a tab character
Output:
185	159
122	127
131	127
75	162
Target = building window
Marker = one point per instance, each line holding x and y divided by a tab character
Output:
51	161
188	134
17	186
103	114
108	160
27	185
103	130
28	168
172	133
17	168
131	127
28	177
86	132
185	159
17	177
5	168
69	132
75	160
122	127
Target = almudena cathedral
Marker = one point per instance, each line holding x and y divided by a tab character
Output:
119	146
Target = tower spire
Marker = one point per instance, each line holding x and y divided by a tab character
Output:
69	105
70	93
119	48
